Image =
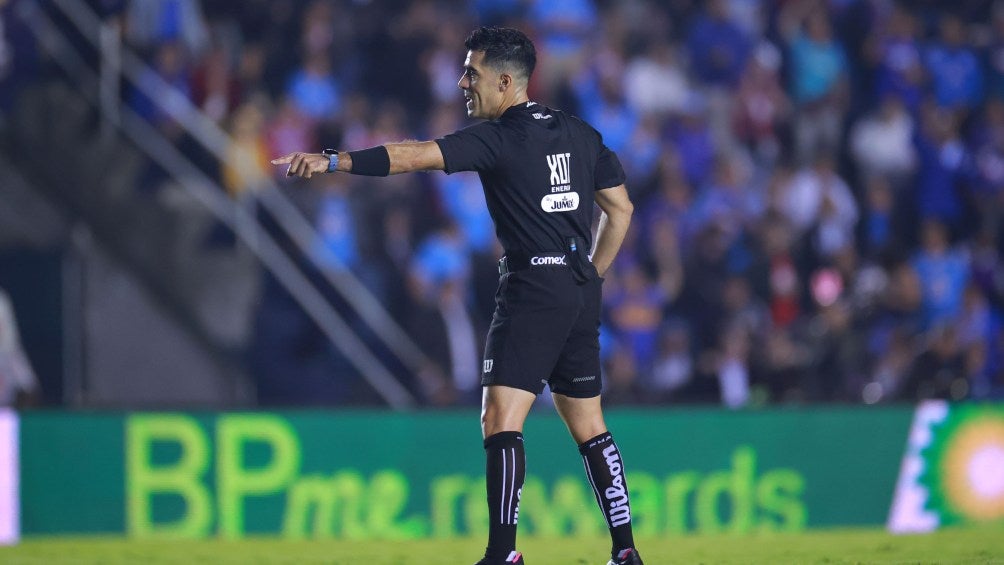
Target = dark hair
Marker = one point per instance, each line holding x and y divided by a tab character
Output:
504	47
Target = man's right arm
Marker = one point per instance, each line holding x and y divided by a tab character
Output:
617	211
404	157
415	156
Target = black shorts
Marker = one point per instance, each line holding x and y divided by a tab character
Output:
545	331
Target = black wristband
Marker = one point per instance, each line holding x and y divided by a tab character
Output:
372	162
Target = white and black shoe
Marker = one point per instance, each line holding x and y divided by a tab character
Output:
514	558
627	556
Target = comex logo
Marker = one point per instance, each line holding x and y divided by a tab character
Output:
538	260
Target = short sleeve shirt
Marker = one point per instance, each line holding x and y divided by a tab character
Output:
539	168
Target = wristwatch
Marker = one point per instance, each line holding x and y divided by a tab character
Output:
332	159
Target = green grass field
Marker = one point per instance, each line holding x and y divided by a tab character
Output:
973	545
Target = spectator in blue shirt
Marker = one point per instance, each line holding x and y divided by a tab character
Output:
900	64
728	199
718	48
464	200
336	248
635	308
611	116
878	233
941	159
956	76
818	63
994	55
943	273
149	24
441	257
565	26
170	66
671	202
18	56
496	12
987	143
314	89
818	80
691	137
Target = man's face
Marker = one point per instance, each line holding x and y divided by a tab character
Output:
480	84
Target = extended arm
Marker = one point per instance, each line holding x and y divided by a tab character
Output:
404	157
614	222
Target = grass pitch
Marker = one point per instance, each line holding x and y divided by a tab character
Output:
975	545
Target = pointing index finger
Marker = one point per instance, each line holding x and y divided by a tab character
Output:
285	159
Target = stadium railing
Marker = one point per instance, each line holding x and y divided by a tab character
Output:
118	63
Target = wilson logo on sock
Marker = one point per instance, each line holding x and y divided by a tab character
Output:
616	495
515	515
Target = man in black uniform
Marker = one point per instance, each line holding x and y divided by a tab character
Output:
541	170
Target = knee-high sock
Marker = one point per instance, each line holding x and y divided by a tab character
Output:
504	471
605	470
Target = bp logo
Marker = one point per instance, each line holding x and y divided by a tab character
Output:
964	471
953	469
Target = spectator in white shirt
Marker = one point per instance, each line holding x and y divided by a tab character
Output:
882	143
818	199
17	379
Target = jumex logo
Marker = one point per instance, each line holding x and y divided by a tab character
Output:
564	202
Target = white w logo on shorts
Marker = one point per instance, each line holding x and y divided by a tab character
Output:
489	363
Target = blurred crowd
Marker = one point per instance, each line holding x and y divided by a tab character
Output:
818	185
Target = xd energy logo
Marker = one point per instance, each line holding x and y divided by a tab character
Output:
558	163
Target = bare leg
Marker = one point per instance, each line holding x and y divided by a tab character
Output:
583	416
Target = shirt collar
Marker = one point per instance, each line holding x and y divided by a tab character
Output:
523	107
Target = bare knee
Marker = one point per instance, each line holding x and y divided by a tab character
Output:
583	416
591	429
585	429
504	409
491	423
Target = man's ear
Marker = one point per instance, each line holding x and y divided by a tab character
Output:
504	82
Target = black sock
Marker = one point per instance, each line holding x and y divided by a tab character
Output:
504	471
605	470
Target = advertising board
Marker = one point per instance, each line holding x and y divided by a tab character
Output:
383	475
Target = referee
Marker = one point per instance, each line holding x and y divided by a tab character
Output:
541	170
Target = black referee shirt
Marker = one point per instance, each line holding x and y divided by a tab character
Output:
539	168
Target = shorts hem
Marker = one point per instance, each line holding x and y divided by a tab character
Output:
516	386
577	394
